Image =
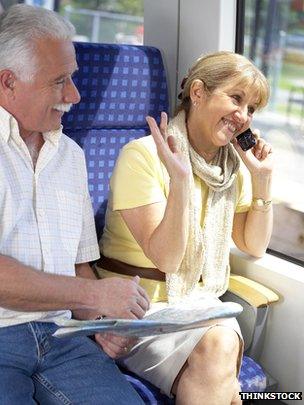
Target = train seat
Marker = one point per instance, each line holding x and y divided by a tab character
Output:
119	86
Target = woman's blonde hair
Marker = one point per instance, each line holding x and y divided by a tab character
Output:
222	68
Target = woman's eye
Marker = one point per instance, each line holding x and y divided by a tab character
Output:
251	110
237	97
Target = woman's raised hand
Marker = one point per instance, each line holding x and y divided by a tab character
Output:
167	149
259	159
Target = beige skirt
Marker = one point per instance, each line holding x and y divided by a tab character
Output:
158	359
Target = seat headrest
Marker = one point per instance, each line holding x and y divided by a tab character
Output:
119	86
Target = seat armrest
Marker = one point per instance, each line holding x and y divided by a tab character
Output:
255	300
252	292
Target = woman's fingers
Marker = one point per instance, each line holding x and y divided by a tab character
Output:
155	132
168	150
160	136
152	125
162	140
262	149
256	133
163	125
267	149
172	144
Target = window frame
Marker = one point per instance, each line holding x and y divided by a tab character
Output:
239	48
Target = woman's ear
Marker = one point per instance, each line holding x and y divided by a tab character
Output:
197	91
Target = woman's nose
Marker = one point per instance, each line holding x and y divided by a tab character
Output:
242	114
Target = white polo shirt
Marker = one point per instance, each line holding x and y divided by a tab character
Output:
46	217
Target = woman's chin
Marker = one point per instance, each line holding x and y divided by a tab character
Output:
226	139
223	142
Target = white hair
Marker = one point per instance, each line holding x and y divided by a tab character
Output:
20	26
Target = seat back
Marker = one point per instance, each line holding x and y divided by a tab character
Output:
119	86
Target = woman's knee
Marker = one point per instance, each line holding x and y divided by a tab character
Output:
219	346
213	360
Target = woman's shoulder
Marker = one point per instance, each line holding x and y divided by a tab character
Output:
144	146
145	142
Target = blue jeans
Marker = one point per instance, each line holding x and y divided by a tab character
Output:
36	367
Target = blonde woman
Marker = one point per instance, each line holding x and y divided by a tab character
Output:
177	198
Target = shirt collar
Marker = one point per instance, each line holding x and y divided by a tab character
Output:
5	127
9	124
53	136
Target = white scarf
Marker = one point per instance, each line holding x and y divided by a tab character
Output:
207	251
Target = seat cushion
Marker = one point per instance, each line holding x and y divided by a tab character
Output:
148	392
252	379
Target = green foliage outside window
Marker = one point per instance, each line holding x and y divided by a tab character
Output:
132	7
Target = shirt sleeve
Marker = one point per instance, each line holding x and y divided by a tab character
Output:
244	190
138	177
88	249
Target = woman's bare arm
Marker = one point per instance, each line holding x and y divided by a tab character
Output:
161	229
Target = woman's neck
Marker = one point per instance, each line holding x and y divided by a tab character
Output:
199	143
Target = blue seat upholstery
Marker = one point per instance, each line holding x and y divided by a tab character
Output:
252	379
119	86
148	392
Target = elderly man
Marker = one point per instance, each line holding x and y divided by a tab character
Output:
47	233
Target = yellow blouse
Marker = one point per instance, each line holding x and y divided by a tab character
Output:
139	178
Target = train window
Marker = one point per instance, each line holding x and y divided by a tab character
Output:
274	39
110	21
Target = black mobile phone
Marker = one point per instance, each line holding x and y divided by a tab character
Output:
246	139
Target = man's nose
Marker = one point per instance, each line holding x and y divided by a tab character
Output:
71	94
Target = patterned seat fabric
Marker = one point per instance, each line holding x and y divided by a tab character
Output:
119	86
148	393
252	379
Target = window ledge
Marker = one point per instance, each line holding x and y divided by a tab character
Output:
243	264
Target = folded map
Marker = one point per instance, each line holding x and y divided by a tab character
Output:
169	319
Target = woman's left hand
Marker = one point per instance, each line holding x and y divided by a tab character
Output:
259	159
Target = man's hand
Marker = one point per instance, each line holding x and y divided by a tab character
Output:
121	298
115	346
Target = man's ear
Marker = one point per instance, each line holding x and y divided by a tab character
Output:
7	82
197	91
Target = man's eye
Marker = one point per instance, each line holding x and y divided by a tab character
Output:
59	82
